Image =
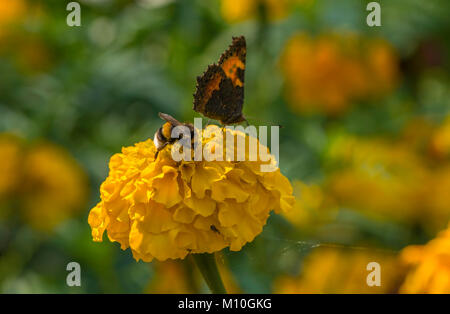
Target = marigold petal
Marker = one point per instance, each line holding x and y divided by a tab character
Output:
165	185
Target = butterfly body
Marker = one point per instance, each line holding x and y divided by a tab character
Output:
220	90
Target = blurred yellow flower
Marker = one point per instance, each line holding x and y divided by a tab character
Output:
389	179
54	187
28	50
311	206
11	10
429	266
239	10
333	270
326	74
10	167
165	209
436	210
440	141
381	177
44	180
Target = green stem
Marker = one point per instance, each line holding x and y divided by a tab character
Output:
206	263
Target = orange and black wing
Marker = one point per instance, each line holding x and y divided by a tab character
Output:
220	90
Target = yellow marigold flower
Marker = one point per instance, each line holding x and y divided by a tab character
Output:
429	266
11	13
10	153
328	73
10	10
27	49
311	206
165	209
54	186
384	179
438	197
333	270
240	10
47	183
380	177
440	140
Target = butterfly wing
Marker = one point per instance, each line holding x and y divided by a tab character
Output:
220	90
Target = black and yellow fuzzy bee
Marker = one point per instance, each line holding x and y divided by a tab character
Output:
163	136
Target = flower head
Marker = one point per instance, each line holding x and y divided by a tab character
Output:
10	152
54	186
440	140
429	266
312	206
165	209
328	73
44	181
383	178
10	11
237	10
339	270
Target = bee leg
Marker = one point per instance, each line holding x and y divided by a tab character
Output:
160	149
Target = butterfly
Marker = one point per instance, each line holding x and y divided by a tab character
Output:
219	93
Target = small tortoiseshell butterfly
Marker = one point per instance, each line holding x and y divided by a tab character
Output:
220	90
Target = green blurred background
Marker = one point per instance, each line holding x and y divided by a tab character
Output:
365	137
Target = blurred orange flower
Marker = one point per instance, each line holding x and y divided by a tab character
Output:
11	11
328	73
239	10
47	183
53	187
27	49
312	206
429	266
388	179
378	176
10	153
440	141
339	270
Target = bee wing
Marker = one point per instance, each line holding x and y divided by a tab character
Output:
169	119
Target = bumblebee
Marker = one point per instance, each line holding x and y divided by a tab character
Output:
163	136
